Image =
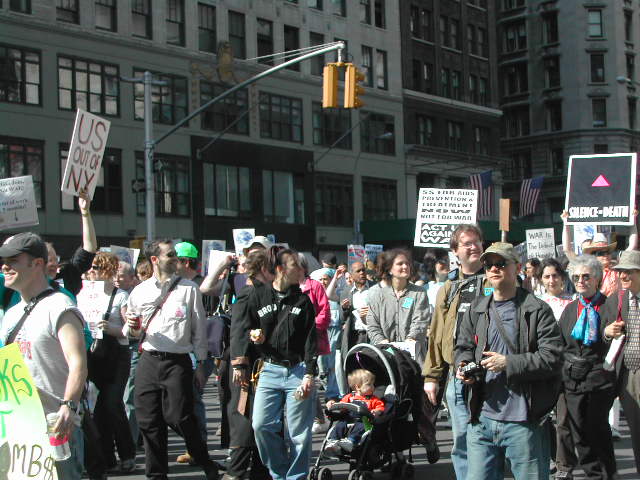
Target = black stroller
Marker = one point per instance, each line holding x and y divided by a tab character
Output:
399	384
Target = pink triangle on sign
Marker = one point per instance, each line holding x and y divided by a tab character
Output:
601	181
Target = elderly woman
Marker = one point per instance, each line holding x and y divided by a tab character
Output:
588	388
398	310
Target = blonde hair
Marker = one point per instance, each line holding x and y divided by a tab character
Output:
360	378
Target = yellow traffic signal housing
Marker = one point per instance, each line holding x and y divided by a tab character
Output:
330	86
352	89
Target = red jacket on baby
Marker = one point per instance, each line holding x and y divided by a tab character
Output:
371	401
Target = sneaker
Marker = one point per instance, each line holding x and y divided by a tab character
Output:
615	434
565	475
332	448
319	427
346	445
128	465
185	458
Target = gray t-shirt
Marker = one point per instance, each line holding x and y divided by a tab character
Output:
502	402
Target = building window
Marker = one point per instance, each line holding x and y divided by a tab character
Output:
280	117
329	124
88	85
600	148
106	15
379	199
339	7
317	63
365	11
599	111
141	18
628	26
223	114
427	76
227	190
454	136
552	71
282	197
265	41
554	115
292	42
20	157
22	6
237	34
550	28
632	113
19	75
515	37
424	134
471	39
377	134
175	22
367	65
107	197
516	122
382	80
334	199
558	163
445	77
519	167
444	29
483	45
169	101
416	74
426	25
597	67
483	91
172	185
516	80
631	67
481	137
455	85
317	4
67	11
595	23
454	34
473	89
414	21
207	28
511	4
379	13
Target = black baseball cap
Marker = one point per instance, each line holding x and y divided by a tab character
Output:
330	258
26	242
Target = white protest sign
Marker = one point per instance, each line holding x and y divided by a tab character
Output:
582	233
88	142
207	246
355	253
372	251
540	243
17	203
242	238
216	257
93	303
126	254
440	211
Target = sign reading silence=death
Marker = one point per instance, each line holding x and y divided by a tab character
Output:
601	189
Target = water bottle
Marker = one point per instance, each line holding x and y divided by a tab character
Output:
60	449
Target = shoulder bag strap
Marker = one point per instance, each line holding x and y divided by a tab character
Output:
500	326
159	303
107	314
27	310
223	293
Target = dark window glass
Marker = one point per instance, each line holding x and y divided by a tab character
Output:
367	65
317	63
599	110
550	27
515	37
172	185
554	115
632	113
317	4
516	79
379	13
207	28
455	85
597	67
552	71
558	163
265	40
414	21
427	75
519	166
631	67
237	34
175	22
424	130
88	85
106	15
280	117
483	45
169	101
516	122
628	26
292	42
334	199
483	92
481	138
67	11
141	18
377	133
601	148
20	157
227	190
282	197
329	124
454	136
365	11
339	7
594	23
233	108
379	199
454	34
472	43
445	85
22	6
19	75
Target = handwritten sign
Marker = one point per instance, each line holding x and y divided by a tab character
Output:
17	203
540	243
355	253
372	250
93	303
440	211
88	142
24	445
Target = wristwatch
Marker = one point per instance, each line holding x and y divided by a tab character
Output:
71	404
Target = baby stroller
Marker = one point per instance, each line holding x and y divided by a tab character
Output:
390	434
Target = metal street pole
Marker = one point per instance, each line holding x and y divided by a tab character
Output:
149	179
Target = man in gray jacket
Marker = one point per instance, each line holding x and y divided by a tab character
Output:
514	337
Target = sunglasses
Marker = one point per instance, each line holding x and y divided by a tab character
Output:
95	267
585	277
499	264
601	253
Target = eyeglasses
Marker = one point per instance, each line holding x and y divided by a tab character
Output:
601	253
469	244
499	264
584	277
95	267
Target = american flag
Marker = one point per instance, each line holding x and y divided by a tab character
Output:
483	184
529	193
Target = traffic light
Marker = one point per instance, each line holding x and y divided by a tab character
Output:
352	89
330	86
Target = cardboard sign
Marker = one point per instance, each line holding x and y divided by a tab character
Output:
88	142
372	251
93	303
355	253
207	246
242	238
540	243
17	203
440	211
24	445
216	257
129	255
601	189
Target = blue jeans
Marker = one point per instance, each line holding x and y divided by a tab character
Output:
459	420
72	467
524	444
286	458
198	405
329	361
129	392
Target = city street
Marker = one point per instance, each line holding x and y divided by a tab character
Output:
442	470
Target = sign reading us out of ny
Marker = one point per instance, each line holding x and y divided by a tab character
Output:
601	189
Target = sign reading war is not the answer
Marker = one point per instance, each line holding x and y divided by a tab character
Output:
541	243
17	204
601	189
440	211
88	142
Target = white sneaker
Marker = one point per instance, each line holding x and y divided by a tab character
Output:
332	448
615	434
346	445
320	427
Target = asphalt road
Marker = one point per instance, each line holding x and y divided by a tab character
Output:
443	470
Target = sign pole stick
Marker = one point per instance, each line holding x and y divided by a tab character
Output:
504	218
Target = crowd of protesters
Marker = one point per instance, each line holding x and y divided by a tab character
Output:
532	358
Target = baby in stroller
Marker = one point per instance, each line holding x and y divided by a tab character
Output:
341	437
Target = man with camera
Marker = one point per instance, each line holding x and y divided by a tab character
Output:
509	354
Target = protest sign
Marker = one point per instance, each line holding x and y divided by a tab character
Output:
521	251
129	255
24	445
582	233
242	238
440	211
88	142
601	189
355	253
215	258
540	243
372	251
17	203
93	302
207	246
454	262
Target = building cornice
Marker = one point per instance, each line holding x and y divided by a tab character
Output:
434	99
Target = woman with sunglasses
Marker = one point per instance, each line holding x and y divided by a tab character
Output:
588	388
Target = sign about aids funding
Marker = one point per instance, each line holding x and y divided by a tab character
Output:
24	445
88	142
440	211
540	243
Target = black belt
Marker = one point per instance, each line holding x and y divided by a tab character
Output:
282	362
361	331
166	355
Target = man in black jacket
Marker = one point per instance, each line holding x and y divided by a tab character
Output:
515	338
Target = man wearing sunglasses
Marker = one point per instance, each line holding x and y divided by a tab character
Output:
514	337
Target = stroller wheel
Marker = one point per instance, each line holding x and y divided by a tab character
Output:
313	474
354	475
325	474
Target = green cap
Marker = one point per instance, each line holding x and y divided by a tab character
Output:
186	250
505	250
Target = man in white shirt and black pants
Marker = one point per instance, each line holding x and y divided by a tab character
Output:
164	379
